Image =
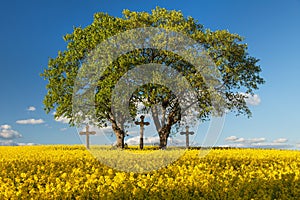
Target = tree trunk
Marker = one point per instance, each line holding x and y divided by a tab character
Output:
163	141
163	127
120	134
120	138
163	136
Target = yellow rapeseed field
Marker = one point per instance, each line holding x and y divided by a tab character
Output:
71	172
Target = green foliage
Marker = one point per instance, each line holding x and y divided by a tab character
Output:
240	71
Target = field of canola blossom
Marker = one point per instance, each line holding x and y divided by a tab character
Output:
71	172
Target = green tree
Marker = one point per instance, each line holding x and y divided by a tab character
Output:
239	71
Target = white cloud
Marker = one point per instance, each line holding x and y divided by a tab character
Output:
273	145
7	133
26	144
280	140
63	120
231	138
8	143
270	145
256	140
147	140
31	108
236	145
279	143
30	121
243	140
153	140
63	129
5	126
131	133
178	142
12	143
252	100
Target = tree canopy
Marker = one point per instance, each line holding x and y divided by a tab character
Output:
239	72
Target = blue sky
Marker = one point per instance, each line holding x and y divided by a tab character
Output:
31	32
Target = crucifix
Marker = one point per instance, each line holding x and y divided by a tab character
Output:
142	124
187	133
87	133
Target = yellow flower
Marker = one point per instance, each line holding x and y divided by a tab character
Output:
23	175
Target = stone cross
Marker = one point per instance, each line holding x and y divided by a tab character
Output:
141	124
87	133
187	133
